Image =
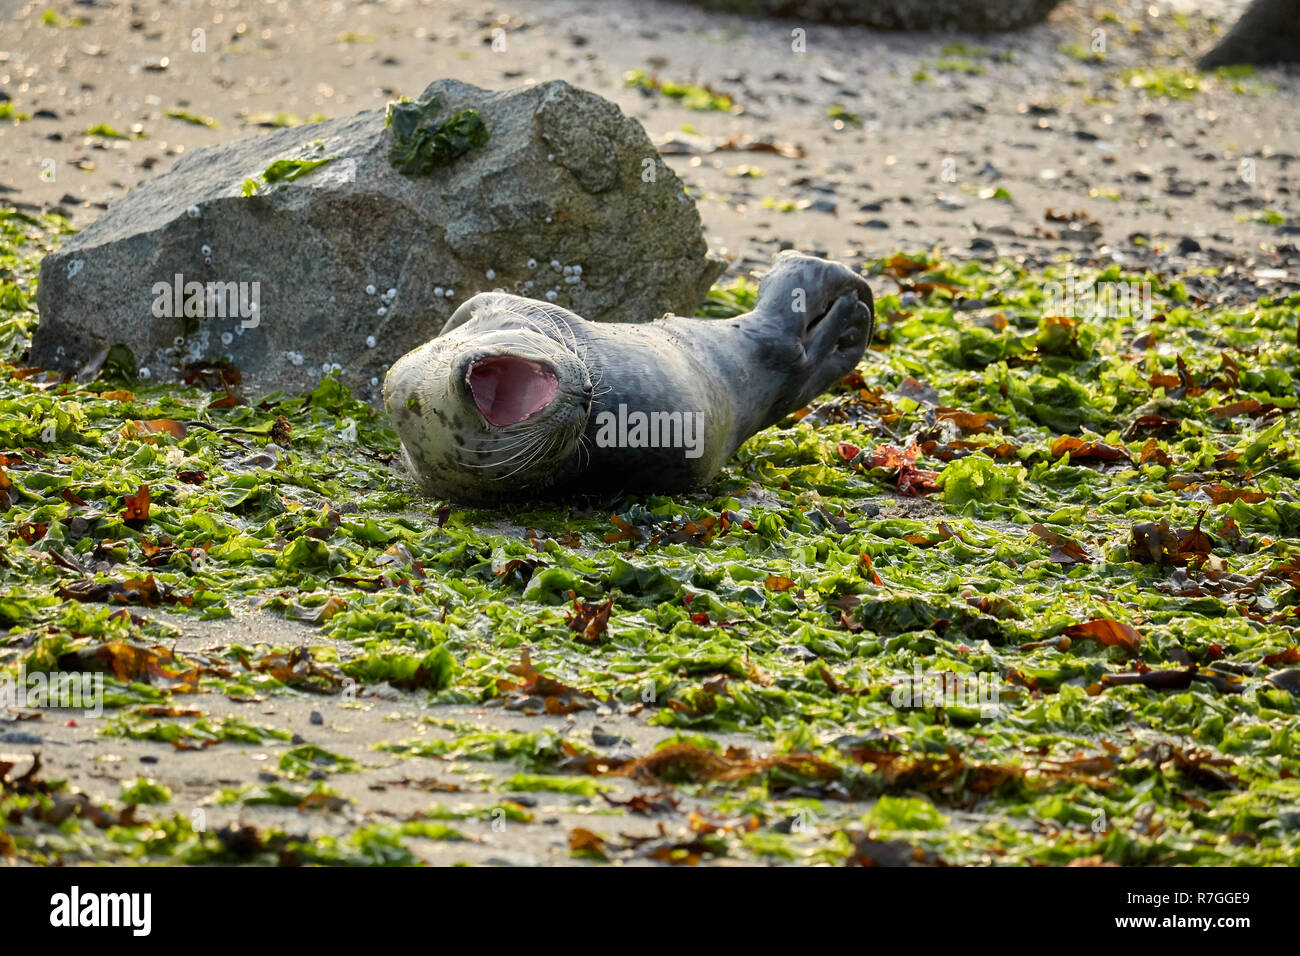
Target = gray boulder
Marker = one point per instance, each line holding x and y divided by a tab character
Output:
1268	32
567	200
963	15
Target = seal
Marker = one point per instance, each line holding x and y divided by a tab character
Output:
518	398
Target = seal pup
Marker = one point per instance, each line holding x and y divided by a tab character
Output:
518	398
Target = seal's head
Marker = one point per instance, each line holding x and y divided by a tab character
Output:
478	405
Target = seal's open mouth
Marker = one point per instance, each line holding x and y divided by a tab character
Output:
508	390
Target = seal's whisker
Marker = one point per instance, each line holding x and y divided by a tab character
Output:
509	439
524	445
542	446
526	441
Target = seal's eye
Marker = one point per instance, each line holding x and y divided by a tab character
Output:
508	390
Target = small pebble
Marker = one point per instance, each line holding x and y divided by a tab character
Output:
20	737
316	716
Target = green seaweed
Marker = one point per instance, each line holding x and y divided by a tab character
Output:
420	145
1104	534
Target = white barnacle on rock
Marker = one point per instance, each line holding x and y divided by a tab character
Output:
491	273
194	212
295	358
551	295
392	293
145	373
75	266
572	279
226	338
568	270
450	292
370	341
370	290
178	341
373	381
206	250
532	263
198	346
555	263
437	290
325	368
382	310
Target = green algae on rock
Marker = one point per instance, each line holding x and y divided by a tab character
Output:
420	145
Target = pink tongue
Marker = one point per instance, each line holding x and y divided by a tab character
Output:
508	390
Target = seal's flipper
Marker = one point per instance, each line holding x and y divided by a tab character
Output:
801	290
500	310
470	308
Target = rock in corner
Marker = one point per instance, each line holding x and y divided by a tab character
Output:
259	254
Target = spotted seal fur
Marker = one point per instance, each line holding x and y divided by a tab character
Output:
519	398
